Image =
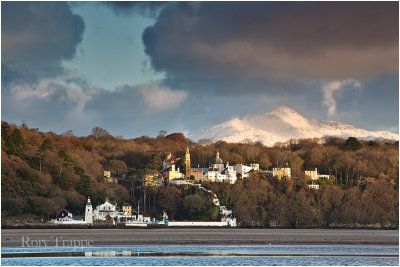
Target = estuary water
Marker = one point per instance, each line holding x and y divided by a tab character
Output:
203	255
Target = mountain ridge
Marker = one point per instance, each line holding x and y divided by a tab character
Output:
282	124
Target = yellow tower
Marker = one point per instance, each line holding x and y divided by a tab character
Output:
187	163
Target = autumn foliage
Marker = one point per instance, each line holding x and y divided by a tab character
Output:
44	172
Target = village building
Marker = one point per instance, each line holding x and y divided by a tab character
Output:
230	174
107	175
109	208
313	186
212	176
127	209
227	175
217	172
169	172
169	161
63	213
224	211
108	178
220	173
281	172
313	174
66	217
198	173
323	176
244	170
153	179
217	164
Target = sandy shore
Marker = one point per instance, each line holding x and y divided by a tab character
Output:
99	237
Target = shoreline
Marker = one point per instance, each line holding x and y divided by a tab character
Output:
202	236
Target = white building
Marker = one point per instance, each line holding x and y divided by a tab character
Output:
109	208
324	176
244	170
313	174
224	211
89	212
179	181
230	174
66	217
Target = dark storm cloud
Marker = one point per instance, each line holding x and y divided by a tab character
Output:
36	37
253	46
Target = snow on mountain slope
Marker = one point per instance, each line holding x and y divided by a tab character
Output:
281	125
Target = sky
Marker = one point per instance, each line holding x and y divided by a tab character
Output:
135	68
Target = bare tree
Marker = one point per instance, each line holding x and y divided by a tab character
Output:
68	133
99	132
162	133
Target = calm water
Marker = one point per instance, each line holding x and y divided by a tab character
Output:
204	255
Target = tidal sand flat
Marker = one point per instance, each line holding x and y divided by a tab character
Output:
199	247
118	237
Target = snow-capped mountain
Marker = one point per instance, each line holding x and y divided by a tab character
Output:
281	125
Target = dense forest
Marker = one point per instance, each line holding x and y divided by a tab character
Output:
42	173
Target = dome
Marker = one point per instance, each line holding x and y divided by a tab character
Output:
217	160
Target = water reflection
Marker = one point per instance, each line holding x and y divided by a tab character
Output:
207	251
205	255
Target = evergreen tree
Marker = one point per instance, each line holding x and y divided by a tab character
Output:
352	144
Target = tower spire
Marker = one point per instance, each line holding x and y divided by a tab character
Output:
187	163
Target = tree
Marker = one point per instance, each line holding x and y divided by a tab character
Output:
170	200
314	157
155	162
235	158
84	186
48	206
296	163
46	145
264	161
162	133
352	144
99	132
380	202
68	133
121	194
177	137
15	143
194	206
117	167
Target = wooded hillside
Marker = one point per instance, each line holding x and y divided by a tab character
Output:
44	172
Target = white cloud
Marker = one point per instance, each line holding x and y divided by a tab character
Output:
67	104
158	98
332	90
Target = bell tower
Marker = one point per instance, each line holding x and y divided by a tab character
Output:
187	163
